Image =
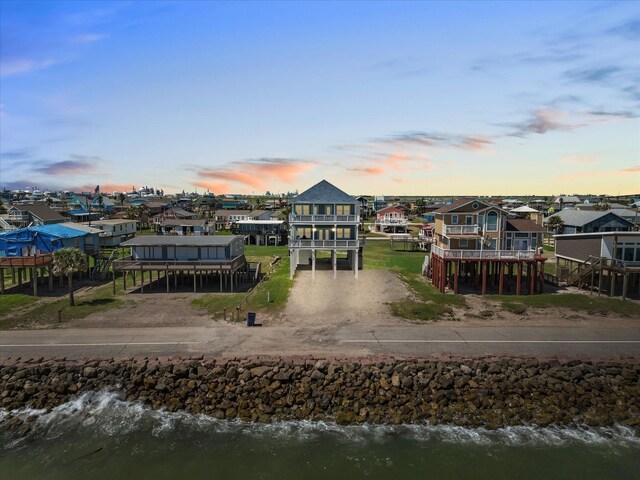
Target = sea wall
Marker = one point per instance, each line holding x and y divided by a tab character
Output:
488	393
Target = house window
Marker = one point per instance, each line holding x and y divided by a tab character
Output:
464	242
492	221
303	209
522	235
475	205
344	233
454	219
468	220
343	209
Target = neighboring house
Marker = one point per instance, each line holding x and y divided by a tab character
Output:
108	205
173	226
79	202
261	232
225	218
566	200
197	259
174	213
392	219
580	221
157	206
229	203
475	241
606	261
32	215
324	218
114	232
44	239
468	222
523	234
379	203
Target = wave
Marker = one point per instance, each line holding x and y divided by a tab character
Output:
105	413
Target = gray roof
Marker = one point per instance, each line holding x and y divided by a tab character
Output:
324	192
180	241
43	212
578	218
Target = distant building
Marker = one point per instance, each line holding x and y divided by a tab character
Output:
261	232
190	226
114	232
391	219
32	215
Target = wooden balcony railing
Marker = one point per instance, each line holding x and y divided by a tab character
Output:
484	254
461	230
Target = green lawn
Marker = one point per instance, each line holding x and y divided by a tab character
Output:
45	311
408	265
271	293
570	301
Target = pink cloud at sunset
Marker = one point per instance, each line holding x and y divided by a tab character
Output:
250	175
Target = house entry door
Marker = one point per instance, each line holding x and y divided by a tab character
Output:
522	244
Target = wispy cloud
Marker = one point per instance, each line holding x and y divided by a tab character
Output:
87	38
79	164
441	140
23	65
105	188
592	74
17	154
541	121
629	30
253	174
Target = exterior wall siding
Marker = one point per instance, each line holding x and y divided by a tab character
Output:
578	248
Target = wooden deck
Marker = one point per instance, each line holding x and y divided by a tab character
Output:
27	261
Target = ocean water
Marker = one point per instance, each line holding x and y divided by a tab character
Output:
98	436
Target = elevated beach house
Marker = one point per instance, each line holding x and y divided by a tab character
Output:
324	218
203	258
475	241
606	262
391	219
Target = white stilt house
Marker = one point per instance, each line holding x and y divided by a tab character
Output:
324	218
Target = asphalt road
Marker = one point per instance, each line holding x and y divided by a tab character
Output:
354	341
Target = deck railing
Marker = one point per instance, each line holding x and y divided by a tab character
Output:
484	254
296	218
461	230
303	243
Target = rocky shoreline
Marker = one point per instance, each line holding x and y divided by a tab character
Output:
489	393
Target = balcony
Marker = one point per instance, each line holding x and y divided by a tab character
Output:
329	219
400	222
327	244
484	254
461	230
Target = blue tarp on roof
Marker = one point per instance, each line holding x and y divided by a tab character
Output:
46	238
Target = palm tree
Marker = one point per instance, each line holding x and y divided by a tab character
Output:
122	197
66	261
3	209
49	202
555	223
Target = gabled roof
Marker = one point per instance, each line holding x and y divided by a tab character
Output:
523	225
324	192
524	209
456	204
43	212
579	218
391	208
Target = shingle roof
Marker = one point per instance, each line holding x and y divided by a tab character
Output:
183	241
324	192
43	212
456	204
578	218
523	225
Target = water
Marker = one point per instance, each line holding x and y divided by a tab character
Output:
100	437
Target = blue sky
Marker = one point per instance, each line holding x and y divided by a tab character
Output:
421	98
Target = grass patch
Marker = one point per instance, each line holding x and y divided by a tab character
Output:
517	308
550	268
12	301
45	311
549	248
571	301
408	266
272	293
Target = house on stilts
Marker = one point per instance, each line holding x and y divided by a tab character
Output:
325	219
476	245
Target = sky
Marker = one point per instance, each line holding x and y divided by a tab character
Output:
384	98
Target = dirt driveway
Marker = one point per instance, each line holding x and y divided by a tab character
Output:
344	300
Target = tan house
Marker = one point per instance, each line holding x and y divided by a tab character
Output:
476	242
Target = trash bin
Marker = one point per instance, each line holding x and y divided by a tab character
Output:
251	319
